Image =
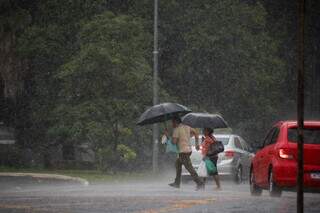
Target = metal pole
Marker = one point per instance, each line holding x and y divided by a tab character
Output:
300	93
155	89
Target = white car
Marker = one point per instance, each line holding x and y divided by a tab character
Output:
234	162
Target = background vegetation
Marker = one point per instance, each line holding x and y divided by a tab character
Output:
83	69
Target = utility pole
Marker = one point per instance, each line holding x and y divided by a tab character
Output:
300	105
155	132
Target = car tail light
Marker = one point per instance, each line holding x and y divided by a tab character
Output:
285	154
229	154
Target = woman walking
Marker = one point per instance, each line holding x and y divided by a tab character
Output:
208	140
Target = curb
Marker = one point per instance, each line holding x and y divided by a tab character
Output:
46	176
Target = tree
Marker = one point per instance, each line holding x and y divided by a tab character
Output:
219	57
105	84
47	43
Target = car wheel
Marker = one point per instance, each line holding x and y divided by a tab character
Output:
238	176
255	190
274	190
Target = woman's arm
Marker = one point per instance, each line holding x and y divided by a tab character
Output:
194	133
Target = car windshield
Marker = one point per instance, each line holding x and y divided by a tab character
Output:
311	135
224	140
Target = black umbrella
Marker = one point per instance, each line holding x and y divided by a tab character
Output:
162	112
203	120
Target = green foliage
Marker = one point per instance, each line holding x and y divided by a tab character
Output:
126	154
226	61
103	88
110	160
90	77
13	18
107	158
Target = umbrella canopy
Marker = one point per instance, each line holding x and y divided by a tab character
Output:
162	112
203	120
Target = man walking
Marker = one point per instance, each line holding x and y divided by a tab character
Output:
181	137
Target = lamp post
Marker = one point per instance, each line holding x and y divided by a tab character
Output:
155	132
300	105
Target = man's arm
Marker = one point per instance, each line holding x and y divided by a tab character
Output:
175	136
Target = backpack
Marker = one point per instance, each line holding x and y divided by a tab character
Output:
215	148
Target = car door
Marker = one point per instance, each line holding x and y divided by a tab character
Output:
259	159
269	150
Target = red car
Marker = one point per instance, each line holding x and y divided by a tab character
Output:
274	167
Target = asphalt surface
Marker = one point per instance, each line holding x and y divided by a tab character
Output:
23	194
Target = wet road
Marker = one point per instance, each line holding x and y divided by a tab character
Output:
142	197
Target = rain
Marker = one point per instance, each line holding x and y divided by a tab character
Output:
154	106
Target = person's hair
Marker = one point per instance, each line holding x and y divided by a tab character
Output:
177	119
210	130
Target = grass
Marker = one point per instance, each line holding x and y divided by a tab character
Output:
90	175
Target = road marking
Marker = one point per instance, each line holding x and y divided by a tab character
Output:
8	206
24	207
180	204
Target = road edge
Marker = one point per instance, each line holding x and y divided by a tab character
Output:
45	176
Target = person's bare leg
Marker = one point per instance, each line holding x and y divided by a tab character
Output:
217	180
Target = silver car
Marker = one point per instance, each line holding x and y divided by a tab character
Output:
234	162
